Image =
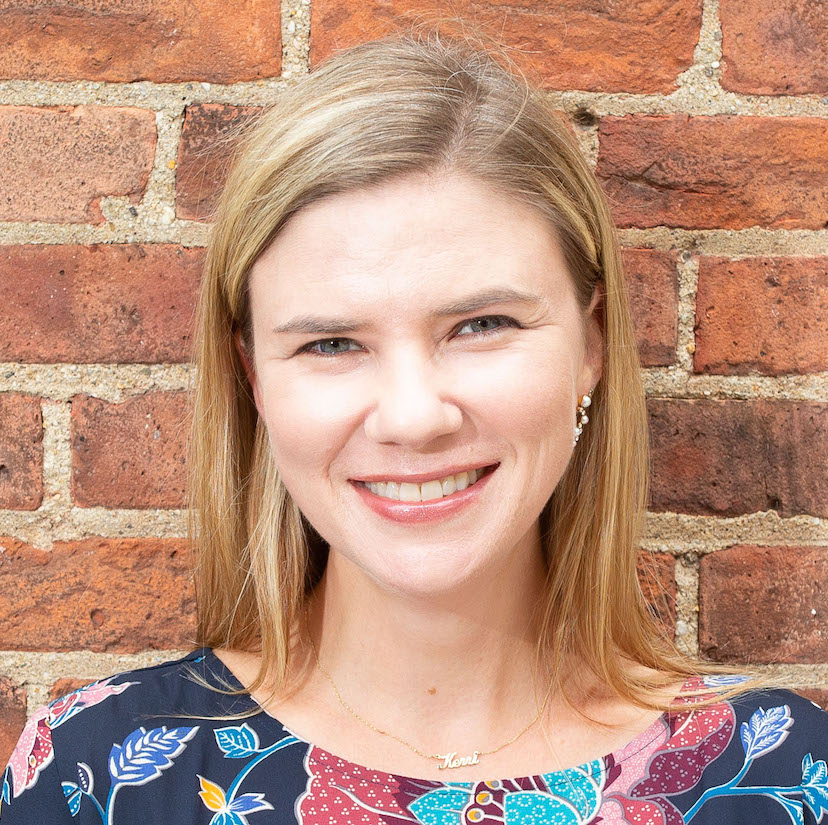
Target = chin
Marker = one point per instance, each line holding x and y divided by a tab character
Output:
422	576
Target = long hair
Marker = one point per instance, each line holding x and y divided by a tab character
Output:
403	105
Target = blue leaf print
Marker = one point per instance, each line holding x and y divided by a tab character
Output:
6	789
815	786
442	806
144	754
534	806
724	680
249	803
72	794
766	730
228	818
582	787
237	743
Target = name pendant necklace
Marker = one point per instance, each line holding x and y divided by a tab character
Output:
447	760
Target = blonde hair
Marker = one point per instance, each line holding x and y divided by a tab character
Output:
410	104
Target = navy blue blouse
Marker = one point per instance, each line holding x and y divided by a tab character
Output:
123	751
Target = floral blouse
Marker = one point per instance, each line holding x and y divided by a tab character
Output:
123	751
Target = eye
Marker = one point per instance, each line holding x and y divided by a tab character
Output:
311	347
487	322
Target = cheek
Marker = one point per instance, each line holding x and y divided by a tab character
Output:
308	425
532	395
535	412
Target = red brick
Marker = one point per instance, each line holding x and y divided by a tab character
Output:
57	163
12	716
715	172
97	594
820	697
158	40
774	49
66	685
130	454
712	457
21	452
629	46
657	574
653	289
756	603
765	315
102	303
204	155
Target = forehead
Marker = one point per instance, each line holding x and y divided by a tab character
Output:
415	240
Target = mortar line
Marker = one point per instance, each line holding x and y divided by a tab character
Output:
687	604
687	268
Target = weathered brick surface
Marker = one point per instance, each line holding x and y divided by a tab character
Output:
767	315
12	716
774	49
130	454
104	303
653	289
820	697
125	40
630	46
57	163
764	604
724	458
63	686
21	452
97	594
711	172
204	155
657	574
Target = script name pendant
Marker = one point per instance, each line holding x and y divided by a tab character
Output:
452	760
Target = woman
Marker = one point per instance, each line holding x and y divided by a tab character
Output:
419	469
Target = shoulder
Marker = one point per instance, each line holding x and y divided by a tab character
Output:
767	715
781	709
171	733
774	729
92	718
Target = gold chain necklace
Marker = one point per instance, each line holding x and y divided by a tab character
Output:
448	760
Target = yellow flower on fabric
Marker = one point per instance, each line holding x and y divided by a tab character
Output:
212	795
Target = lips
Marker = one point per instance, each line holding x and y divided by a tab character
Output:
419	511
432	490
420	478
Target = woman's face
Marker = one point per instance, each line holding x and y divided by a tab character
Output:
420	329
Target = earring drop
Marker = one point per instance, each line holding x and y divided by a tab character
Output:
583	418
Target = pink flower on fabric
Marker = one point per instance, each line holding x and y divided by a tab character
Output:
695	740
33	751
340	791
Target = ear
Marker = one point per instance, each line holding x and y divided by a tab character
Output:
249	369
594	341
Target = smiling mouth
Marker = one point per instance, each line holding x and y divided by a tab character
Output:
427	490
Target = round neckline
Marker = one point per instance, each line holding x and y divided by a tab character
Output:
346	767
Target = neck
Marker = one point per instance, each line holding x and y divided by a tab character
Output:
446	671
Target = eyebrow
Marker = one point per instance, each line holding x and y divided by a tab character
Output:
316	325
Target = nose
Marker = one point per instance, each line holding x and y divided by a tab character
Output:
410	404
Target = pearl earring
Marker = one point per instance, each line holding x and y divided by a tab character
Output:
583	418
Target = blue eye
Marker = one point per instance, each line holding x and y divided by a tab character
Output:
484	321
337	351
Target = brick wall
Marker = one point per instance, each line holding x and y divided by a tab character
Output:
706	123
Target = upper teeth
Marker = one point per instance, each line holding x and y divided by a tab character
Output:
428	490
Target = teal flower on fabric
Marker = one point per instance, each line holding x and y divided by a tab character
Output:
815	786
